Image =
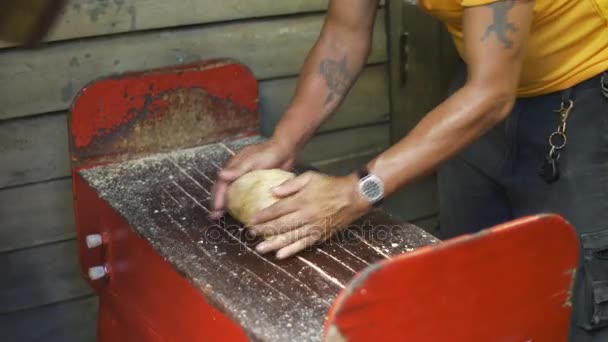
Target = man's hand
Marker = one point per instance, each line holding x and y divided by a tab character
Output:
313	207
267	155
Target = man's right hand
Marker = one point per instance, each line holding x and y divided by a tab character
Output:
267	155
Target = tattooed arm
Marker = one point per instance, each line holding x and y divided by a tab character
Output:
495	37
330	69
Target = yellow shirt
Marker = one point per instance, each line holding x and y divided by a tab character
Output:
567	45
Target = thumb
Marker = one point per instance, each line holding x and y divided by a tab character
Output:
292	186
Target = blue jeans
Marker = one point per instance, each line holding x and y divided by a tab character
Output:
496	179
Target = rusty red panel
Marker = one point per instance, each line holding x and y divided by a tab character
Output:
511	283
134	114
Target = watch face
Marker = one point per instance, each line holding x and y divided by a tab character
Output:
371	188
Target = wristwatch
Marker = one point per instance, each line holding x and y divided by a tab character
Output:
371	187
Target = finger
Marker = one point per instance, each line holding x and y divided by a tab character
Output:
219	199
297	246
280	225
279	241
224	178
273	212
293	185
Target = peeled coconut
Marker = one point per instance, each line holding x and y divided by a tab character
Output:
252	192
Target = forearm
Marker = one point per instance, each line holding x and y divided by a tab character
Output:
450	127
328	73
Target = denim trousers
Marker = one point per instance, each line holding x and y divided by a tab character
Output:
496	179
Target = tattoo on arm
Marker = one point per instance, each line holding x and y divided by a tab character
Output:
337	77
501	25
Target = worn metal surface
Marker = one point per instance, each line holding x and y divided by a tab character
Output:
165	199
130	115
507	283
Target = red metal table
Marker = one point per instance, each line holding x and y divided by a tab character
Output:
145	148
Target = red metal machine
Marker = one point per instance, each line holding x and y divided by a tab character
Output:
145	148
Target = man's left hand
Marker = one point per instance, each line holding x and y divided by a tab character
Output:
313	206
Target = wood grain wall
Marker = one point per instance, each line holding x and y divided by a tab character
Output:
42	296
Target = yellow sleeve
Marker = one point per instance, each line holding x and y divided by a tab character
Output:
468	3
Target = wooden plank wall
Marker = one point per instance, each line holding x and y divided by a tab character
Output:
42	297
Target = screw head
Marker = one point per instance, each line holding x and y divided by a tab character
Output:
97	272
94	240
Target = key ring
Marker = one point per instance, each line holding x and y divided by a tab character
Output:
557	145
